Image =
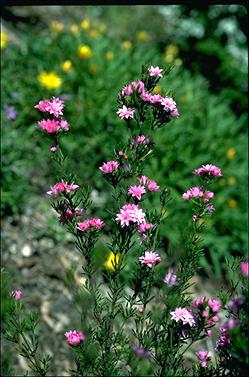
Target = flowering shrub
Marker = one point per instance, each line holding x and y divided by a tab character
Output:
144	323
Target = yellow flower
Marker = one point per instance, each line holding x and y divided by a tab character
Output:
112	261
178	62
171	50
56	26
109	55
93	68
4	40
232	203
94	33
156	90
126	45
74	28
50	80
84	52
231	180
231	153
85	24
66	66
143	36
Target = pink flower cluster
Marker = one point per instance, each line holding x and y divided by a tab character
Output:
197	192
125	112
150	258
66	214
90	223
244	268
183	315
17	294
155	71
170	279
61	187
148	184
54	106
203	357
109	166
130	213
74	337
209	170
142	228
142	140
208	308
53	126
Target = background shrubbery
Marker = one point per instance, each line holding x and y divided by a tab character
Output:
207	48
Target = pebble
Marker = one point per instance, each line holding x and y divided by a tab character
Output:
26	250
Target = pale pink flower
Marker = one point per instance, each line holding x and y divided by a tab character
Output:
210	208
53	149
203	357
195	218
137	191
51	126
199	302
213	319
155	71
143	180
152	186
244	268
142	228
140	309
130	213
174	113
74	337
150	258
208	195
109	166
146	96
168	103
215	305
83	226
138	85
43	105
155	99
125	112
170	279
205	314
79	211
17	294
209	170
64	125
127	90
141	139
138	216
208	332
184	316
61	187
124	217
54	106
96	223
193	192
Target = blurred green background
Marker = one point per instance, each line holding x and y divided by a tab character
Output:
85	54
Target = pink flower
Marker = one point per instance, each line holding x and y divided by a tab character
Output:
193	192
142	228
137	191
203	357
146	96
64	125
215	305
17	294
150	258
61	187
183	315
127	90
125	112
223	341
209	170
195	218
199	302
170	279
236	303
74	337
51	126
174	113
244	268
90	223
130	213
208	332
208	195
79	211
148	183
155	71
231	323
138	85
168	103
155	99
53	149
54	106
109	166
140	309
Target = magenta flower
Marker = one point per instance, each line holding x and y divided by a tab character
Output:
184	316
125	112
50	126
109	166
169	105
148	183
193	192
155	99
90	223
74	337
64	125
53	149
54	106
146	96
138	86
244	268
215	305
223	341
208	195
170	279
127	90
236	303
199	302
203	357
137	191
150	258
209	170
155	71
17	294
61	187
130	213
142	228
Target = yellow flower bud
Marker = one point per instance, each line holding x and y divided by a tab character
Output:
84	52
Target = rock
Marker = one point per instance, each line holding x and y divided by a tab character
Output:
26	250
